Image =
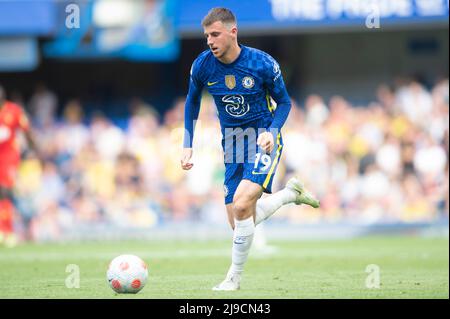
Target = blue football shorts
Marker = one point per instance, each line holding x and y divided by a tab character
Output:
250	163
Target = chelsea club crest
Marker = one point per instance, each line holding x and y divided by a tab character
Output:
248	82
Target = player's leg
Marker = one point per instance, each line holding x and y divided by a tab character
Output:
2	218
244	205
233	176
8	171
230	214
262	172
244	213
256	174
6	217
294	192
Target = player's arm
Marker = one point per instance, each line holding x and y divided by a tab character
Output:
31	141
25	127
191	112
274	82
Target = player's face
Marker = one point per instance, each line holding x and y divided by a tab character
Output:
220	38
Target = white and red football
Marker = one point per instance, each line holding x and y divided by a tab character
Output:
127	274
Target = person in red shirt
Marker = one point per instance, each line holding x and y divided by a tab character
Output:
12	118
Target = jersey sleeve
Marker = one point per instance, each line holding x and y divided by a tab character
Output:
192	106
19	117
273	81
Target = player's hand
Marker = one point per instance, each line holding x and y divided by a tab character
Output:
265	141
185	159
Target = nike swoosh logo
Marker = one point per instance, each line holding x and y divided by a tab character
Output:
212	83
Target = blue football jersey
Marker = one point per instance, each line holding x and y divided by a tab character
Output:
242	90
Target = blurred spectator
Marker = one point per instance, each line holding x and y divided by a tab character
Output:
43	105
388	156
415	102
316	111
73	134
108	139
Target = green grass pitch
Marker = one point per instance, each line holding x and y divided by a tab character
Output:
410	267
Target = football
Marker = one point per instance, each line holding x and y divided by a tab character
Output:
127	274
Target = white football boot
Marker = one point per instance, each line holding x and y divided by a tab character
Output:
303	195
231	282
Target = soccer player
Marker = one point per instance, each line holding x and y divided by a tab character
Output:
243	81
12	118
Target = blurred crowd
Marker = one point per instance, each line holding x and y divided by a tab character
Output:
386	162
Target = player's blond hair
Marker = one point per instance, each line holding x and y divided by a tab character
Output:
219	14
